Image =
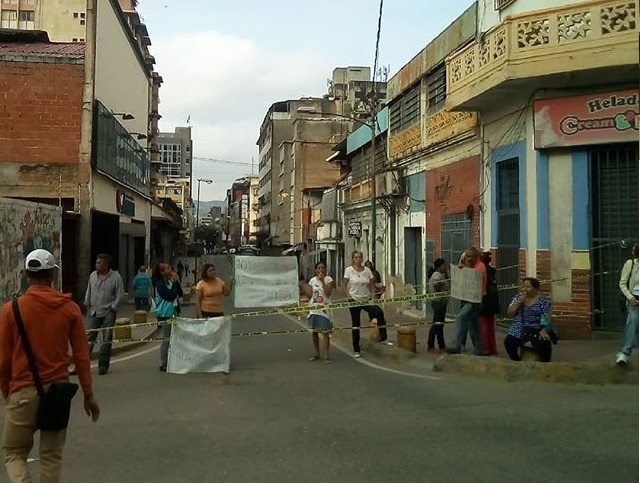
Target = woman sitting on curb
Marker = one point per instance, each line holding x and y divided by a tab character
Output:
531	311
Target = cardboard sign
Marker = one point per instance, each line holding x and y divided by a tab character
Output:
466	284
265	281
200	345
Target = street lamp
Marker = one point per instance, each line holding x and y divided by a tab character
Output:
125	115
372	181
200	180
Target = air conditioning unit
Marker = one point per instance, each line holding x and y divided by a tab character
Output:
389	183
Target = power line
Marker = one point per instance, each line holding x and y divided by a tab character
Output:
222	161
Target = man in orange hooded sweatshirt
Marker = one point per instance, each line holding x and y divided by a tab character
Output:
52	322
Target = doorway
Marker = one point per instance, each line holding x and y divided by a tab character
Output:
413	263
455	234
508	227
614	227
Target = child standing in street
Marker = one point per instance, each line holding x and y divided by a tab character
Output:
438	283
319	292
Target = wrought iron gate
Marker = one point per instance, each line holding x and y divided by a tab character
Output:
508	211
455	236
614	217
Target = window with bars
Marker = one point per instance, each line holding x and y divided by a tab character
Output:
436	88
405	111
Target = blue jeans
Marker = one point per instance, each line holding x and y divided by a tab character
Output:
102	322
630	339
467	321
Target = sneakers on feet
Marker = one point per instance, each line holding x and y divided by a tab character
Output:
386	342
622	358
451	350
356	355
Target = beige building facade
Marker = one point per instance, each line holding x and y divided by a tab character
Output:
556	87
63	20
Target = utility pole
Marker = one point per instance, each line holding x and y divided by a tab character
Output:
195	231
374	221
83	205
372	184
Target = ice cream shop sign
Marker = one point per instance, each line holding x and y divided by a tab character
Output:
592	119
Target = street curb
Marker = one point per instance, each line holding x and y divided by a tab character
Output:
375	348
557	372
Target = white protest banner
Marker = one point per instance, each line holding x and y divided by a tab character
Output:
466	284
265	281
200	345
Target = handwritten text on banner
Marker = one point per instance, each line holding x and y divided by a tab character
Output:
466	284
265	281
200	345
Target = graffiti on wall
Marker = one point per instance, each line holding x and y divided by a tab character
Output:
25	226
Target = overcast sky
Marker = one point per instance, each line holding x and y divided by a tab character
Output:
224	62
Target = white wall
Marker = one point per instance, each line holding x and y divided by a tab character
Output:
489	17
560	222
104	199
121	81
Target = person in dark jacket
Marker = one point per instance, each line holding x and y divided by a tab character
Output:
380	288
168	290
490	307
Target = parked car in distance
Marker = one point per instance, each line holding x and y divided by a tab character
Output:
248	250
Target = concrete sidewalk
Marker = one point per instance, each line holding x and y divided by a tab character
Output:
590	361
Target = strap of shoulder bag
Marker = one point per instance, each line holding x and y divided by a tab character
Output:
27	347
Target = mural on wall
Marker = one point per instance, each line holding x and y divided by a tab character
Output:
25	226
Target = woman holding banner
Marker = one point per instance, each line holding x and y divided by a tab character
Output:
209	292
359	284
167	290
319	291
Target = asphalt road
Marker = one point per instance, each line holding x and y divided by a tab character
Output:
280	418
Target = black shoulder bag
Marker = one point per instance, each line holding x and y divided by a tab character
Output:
55	402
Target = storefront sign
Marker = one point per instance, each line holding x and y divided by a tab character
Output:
592	119
355	229
125	203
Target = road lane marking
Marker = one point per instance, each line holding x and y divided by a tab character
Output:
369	363
126	358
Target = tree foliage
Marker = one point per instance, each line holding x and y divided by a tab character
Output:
208	235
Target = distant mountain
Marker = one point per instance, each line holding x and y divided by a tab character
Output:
205	206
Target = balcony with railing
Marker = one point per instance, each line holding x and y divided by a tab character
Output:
583	37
